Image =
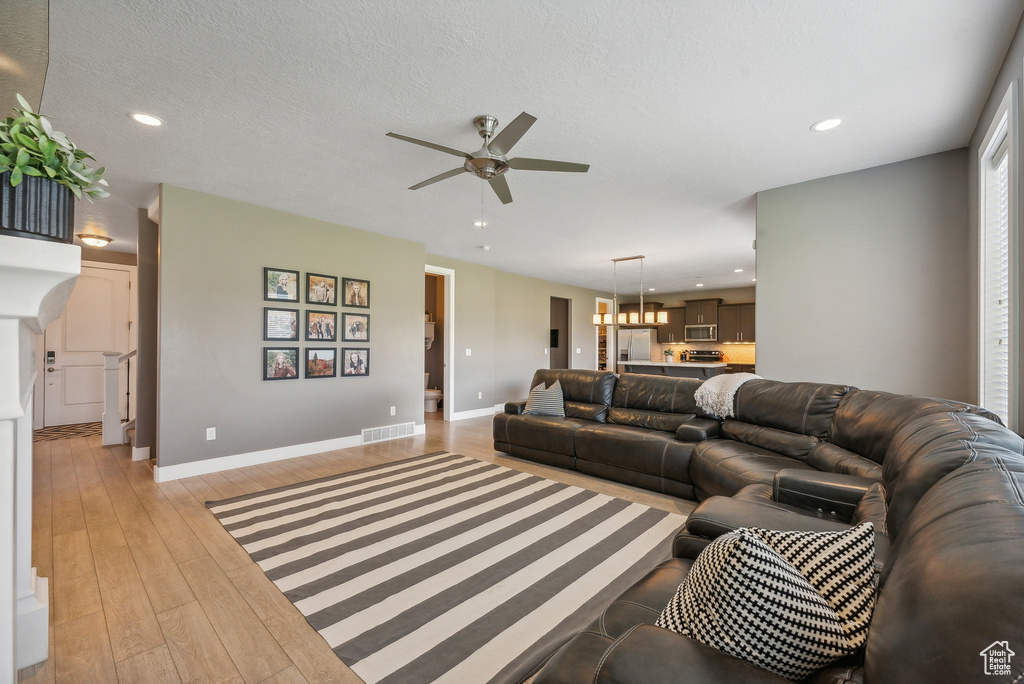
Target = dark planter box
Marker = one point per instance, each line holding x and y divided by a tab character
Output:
38	208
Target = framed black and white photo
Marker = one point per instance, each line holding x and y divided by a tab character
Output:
355	327
321	289
355	361
280	363
281	285
280	324
357	292
320	362
321	325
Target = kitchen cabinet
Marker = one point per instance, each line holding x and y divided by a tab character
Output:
739	368
736	323
702	312
672	332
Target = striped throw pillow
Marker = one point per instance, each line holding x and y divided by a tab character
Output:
545	402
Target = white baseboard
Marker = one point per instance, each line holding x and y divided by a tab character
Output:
213	465
140	453
477	413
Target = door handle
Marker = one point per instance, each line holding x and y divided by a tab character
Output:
50	370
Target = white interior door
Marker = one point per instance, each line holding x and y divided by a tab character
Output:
95	320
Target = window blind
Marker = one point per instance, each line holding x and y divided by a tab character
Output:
995	276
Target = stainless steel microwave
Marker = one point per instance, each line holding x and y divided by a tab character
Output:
700	333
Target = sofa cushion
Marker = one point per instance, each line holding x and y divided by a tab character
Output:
780	441
657	393
830	458
790	602
544	433
642	603
802	407
545	401
651	420
724	466
954	583
867	420
927	449
651	452
587	394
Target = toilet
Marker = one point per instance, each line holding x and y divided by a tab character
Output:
430	396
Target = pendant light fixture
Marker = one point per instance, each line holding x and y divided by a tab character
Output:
634	317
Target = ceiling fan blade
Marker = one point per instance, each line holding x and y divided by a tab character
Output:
500	187
525	164
433	146
439	177
510	134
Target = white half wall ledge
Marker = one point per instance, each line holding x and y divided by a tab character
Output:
477	413
215	465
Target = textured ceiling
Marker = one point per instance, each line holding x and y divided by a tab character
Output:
683	109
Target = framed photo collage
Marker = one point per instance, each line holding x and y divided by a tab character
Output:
284	324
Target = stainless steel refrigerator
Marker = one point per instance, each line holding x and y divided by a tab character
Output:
638	344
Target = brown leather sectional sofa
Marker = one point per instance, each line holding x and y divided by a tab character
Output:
942	481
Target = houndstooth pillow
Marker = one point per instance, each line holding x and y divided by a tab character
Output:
789	602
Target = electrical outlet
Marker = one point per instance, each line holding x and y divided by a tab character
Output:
545	352
578	350
211	433
469	352
392	410
479	395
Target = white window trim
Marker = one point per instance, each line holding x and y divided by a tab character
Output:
1004	123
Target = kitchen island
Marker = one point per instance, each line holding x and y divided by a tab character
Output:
683	369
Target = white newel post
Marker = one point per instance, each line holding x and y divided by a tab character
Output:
112	432
36	279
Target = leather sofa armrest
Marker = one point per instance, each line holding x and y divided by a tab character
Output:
720	515
832	494
515	407
654	655
698	429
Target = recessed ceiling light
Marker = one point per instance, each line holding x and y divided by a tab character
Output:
737	270
700	284
147	119
486	248
479	224
753	280
650	289
826	124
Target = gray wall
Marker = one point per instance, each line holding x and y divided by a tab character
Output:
212	255
505	319
148	322
862	278
1011	70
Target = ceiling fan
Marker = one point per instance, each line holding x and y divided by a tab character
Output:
490	161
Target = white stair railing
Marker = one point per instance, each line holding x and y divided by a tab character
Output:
114	430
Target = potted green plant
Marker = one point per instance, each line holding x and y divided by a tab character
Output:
669	354
41	174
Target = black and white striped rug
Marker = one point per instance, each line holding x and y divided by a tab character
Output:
443	568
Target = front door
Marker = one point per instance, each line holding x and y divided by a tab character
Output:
95	320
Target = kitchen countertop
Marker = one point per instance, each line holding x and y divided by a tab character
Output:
691	364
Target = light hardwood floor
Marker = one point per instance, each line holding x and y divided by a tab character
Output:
146	586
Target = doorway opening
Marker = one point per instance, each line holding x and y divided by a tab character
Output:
604	334
438	361
561	314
